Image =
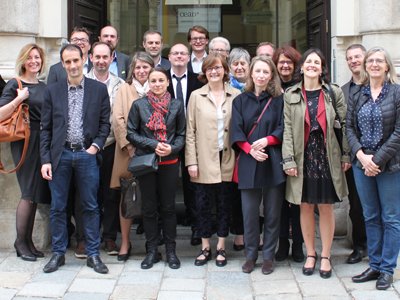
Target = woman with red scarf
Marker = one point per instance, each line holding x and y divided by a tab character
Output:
156	124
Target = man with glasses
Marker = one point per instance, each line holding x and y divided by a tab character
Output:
79	36
153	44
182	82
198	38
220	45
355	54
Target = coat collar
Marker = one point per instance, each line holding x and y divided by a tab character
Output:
229	91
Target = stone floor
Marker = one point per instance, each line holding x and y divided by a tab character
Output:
25	280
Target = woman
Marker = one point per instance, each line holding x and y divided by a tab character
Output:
209	156
373	127
259	170
34	189
286	59
156	124
312	157
239	65
135	87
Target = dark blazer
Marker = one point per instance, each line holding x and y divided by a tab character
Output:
165	64
54	123
123	63
57	72
246	109
193	83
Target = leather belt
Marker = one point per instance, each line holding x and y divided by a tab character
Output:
74	146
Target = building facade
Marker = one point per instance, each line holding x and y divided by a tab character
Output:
329	25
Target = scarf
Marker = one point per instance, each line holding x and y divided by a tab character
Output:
140	89
156	121
236	83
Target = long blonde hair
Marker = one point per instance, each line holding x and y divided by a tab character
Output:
23	57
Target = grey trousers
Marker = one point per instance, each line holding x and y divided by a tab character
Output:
272	199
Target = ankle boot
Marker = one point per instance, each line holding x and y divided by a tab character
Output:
283	250
172	260
150	259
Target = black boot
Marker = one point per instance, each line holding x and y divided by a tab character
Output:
150	259
283	250
172	260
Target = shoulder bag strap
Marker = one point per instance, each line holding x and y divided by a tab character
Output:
259	118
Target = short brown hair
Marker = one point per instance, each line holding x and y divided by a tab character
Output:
199	29
23	57
209	61
81	29
101	43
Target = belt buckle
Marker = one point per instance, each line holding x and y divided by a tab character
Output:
76	146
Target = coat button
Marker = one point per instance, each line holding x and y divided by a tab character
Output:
226	129
225	149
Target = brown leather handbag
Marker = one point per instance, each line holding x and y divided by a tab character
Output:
15	128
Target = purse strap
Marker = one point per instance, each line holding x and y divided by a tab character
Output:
21	109
259	117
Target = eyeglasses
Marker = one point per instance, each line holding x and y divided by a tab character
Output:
378	61
199	39
219	51
76	41
288	62
215	68
179	53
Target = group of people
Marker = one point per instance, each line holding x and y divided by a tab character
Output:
261	143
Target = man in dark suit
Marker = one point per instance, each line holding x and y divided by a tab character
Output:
120	63
153	44
79	36
354	56
182	83
74	127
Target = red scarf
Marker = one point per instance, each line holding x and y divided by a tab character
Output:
156	121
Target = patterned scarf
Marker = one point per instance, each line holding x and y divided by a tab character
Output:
236	83
156	121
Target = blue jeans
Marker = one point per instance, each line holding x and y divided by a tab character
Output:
86	174
380	200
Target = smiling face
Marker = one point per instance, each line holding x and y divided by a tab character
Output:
73	64
215	72
81	39
261	75
285	67
33	63
240	69
153	44
355	58
101	58
312	66
141	71
179	56
158	83
376	66
198	41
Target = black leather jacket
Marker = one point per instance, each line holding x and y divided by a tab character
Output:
143	138
388	155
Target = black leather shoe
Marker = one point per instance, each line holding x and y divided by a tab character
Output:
152	257
237	247
55	261
24	253
220	262
125	257
172	260
297	252
283	250
325	273
368	275
355	257
206	253
195	240
97	265
384	281
310	271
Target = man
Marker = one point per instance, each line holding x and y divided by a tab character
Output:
198	38
153	44
354	56
120	61
101	58
265	48
79	36
220	45
182	83
74	127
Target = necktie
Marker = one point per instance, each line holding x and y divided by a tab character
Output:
179	93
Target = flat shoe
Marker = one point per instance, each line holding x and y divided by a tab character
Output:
326	273
206	253
221	262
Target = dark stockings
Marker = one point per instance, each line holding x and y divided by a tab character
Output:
25	219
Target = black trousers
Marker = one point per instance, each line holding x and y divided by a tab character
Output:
158	193
206	194
188	193
272	199
108	198
356	214
290	214
236	226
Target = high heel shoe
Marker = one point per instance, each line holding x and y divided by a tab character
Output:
325	273
35	251
28	256
310	271
125	257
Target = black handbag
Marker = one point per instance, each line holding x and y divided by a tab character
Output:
337	127
131	200
143	164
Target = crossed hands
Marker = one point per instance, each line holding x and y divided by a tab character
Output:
258	149
369	167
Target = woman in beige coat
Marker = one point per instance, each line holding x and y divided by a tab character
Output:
209	156
136	86
312	157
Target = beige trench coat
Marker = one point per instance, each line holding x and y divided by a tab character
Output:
293	141
202	137
122	105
